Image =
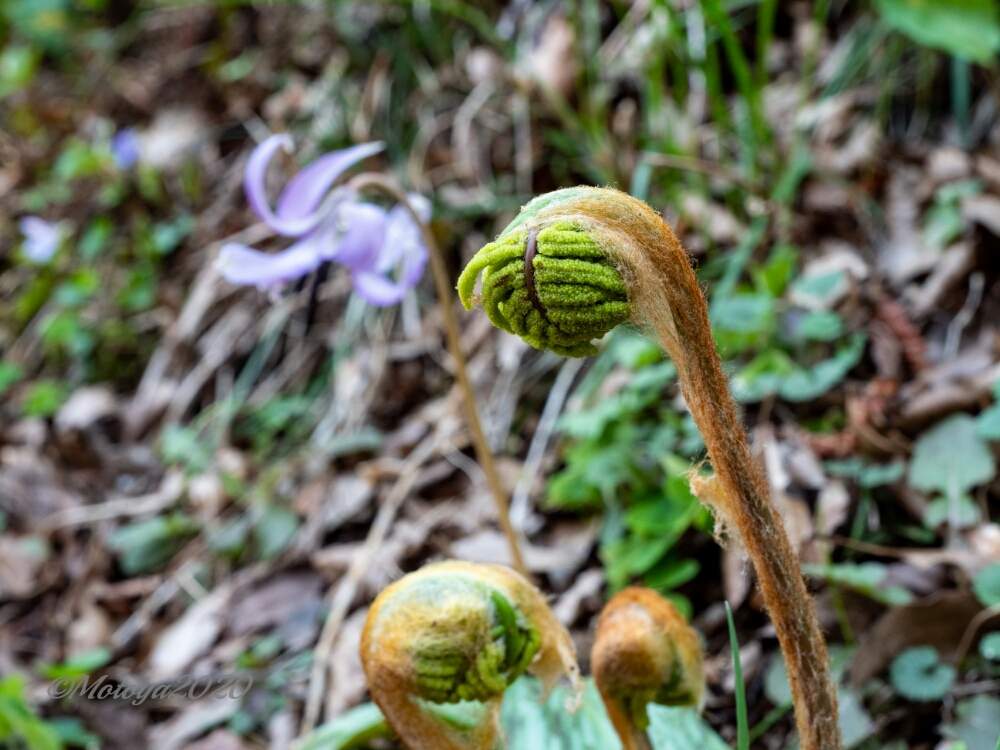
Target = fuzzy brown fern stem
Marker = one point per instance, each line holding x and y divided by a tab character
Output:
600	257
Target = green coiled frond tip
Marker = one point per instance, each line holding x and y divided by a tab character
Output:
551	284
456	632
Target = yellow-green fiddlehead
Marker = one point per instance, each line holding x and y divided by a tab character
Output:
554	287
601	256
644	652
453	632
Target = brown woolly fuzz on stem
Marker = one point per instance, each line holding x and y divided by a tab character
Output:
644	652
664	294
457	631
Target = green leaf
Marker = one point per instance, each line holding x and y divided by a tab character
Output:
353	729
669	574
855	722
743	320
951	458
673	728
530	723
976	723
274	530
819	325
44	398
820	290
989	646
986	584
774	372
919	675
182	445
18	64
807	383
72	733
865	578
774	276
77	666
988	423
965	28
145	546
9	375
20	727
742	723
960	512
867	475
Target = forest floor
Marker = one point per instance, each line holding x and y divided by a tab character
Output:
198	478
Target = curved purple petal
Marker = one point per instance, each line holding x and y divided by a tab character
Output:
243	265
297	211
400	262
357	235
402	235
41	238
377	289
305	191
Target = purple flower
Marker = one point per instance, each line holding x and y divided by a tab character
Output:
125	148
41	238
381	248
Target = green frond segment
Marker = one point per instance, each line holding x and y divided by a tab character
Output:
449	672
580	295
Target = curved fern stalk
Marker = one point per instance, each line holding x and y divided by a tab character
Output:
644	652
577	262
454	632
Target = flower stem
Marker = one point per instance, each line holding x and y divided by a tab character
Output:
443	289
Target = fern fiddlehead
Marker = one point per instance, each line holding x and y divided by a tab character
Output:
454	632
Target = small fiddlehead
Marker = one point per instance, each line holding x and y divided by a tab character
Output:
644	652
454	632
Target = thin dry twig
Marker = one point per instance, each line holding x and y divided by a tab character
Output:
444	290
343	595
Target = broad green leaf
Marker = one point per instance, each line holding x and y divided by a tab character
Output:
742	320
986	584
951	458
919	675
855	722
673	728
968	29
530	723
989	646
988	423
960	512
976	723
819	325
820	290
